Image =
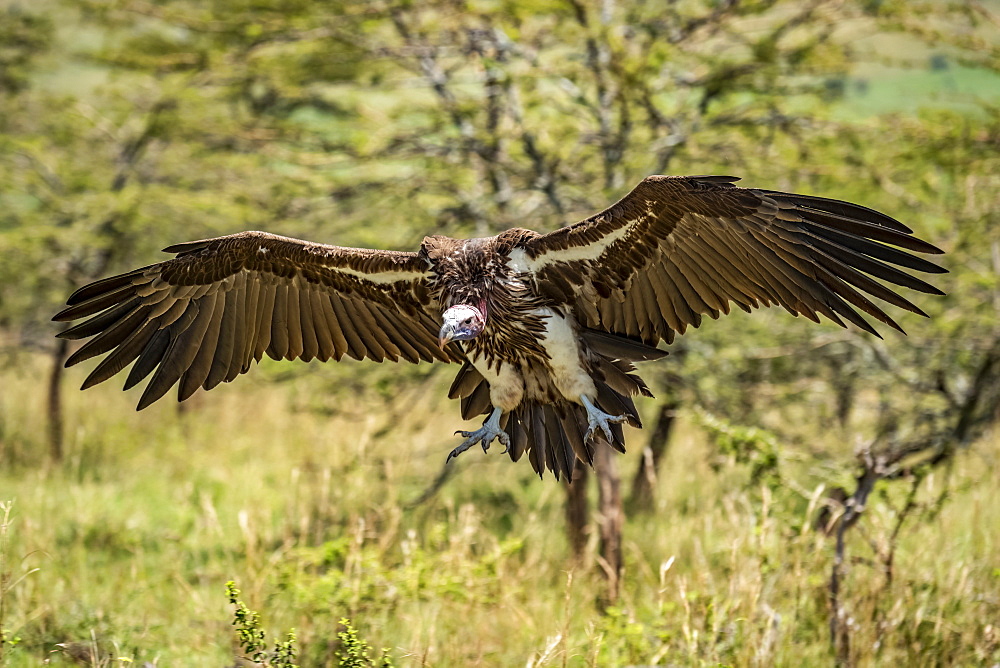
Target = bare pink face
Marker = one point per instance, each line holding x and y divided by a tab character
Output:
461	323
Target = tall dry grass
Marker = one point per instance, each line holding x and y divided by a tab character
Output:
301	491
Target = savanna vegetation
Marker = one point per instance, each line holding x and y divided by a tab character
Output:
802	495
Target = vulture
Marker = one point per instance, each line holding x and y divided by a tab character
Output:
546	328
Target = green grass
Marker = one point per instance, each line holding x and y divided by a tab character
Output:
299	493
876	89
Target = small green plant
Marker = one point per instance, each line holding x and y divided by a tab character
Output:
251	636
8	640
354	650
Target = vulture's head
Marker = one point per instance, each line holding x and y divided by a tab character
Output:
461	323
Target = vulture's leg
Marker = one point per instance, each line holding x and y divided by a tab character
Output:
598	418
484	435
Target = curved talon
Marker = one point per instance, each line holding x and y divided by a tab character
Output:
603	423
598	418
484	436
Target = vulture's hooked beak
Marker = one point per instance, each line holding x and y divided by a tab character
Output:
446	334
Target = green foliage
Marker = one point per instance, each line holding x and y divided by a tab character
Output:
247	622
354	650
24	36
745	445
250	636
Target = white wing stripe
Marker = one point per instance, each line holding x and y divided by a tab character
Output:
384	277
520	262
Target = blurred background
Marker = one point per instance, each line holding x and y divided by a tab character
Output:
801	495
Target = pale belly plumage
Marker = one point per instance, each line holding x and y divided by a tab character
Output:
562	374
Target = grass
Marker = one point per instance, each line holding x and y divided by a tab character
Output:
877	89
300	491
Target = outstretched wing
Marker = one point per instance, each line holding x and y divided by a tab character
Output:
202	317
677	248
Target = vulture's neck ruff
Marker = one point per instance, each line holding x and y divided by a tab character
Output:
475	274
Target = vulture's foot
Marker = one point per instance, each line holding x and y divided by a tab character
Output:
599	419
484	435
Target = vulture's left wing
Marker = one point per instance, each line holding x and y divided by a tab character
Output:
677	248
204	316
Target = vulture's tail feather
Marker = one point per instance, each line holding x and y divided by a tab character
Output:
554	434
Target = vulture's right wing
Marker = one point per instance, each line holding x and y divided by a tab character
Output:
202	317
677	248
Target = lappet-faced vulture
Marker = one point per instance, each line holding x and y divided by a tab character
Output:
546	327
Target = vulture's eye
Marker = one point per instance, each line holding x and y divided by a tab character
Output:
467	321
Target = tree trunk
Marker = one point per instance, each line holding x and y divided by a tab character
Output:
643	495
54	407
578	509
611	518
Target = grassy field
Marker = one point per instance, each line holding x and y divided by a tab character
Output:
301	492
300	482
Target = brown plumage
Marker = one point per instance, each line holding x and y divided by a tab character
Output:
546	327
